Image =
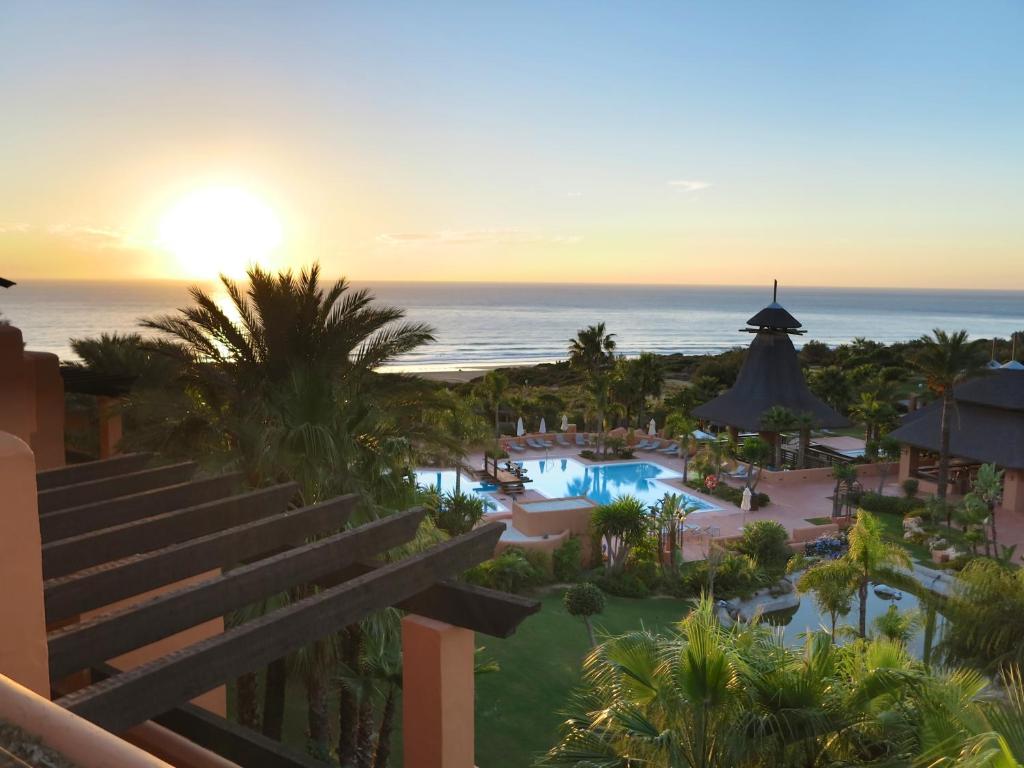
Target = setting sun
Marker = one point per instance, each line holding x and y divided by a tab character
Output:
219	230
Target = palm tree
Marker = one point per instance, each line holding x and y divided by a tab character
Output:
873	414
985	617
492	389
775	420
873	557
888	451
834	583
680	428
592	350
459	429
988	486
946	359
290	388
804	422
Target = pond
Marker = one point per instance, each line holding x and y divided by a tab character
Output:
807	618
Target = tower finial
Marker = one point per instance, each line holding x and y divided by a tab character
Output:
775	292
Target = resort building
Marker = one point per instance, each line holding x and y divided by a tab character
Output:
986	427
770	377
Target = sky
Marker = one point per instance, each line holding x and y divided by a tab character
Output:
840	143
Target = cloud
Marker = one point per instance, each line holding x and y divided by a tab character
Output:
474	237
100	238
574	194
689	185
12	227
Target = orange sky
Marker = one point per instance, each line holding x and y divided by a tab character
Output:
818	145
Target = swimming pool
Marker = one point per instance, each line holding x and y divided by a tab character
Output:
557	478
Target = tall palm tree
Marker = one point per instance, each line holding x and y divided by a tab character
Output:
493	389
946	359
873	557
287	380
804	422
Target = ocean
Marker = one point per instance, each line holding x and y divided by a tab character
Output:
481	325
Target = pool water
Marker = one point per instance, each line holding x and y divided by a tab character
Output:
444	481
557	478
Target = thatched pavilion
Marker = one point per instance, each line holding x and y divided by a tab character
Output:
770	376
986	426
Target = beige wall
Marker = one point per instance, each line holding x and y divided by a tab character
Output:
32	398
23	652
437	696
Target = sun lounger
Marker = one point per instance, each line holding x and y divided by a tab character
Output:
580	440
673	448
560	439
653	445
516	447
643	445
534	443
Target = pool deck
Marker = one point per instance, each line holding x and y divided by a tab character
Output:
793	502
791	505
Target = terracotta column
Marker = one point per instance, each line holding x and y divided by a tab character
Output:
111	429
23	653
48	436
437	694
1013	492
910	461
17	409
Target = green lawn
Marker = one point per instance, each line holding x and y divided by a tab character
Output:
517	709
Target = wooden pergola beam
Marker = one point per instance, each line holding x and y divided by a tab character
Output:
105	637
87	471
90	491
74	521
91	549
231	741
487	611
165	683
105	584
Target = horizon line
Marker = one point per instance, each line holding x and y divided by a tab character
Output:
530	283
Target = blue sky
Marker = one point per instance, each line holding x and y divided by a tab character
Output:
855	143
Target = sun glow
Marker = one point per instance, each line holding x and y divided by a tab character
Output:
219	230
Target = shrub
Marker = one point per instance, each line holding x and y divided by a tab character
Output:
623	585
584	599
540	560
736	576
566	561
889	505
456	513
511	571
765	541
910	486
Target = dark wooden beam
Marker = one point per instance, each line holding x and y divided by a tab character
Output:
487	611
231	741
75	521
107	583
165	683
91	470
81	645
111	487
91	549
